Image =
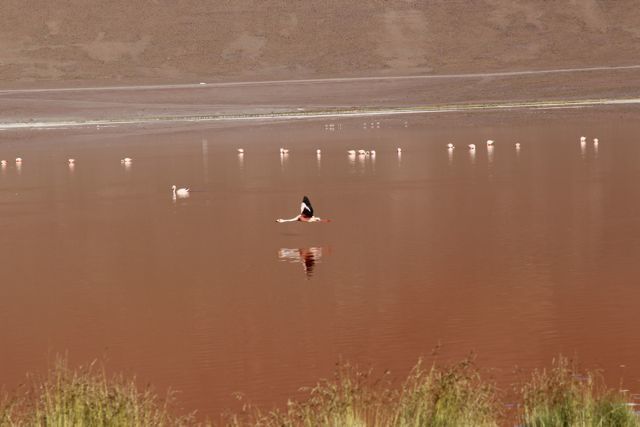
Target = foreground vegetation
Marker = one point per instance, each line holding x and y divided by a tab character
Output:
436	396
84	397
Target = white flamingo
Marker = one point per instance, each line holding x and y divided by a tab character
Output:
241	150
72	161
18	159
451	146
583	139
489	142
180	192
306	214
126	161
472	147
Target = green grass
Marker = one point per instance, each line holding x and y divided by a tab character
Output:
438	396
563	396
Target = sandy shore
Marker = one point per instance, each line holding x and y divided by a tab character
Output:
300	99
490	51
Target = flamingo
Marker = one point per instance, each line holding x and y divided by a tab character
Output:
3	163
517	145
180	192
284	151
595	141
472	146
241	150
399	150
18	159
583	139
126	161
450	146
489	142
72	161
306	214
351	152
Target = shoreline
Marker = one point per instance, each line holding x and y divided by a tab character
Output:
335	113
329	80
93	105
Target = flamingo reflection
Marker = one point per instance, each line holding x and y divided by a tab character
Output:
306	256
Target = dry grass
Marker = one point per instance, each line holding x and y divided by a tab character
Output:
563	396
453	395
84	397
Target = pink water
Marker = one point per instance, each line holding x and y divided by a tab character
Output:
516	255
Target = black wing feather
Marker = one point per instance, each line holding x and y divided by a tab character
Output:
306	210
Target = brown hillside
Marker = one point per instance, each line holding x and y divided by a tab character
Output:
179	40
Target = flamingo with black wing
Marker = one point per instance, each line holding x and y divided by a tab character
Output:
306	214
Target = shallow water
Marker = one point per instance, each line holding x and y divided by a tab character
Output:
517	255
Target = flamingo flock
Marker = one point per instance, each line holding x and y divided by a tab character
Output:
361	153
306	210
